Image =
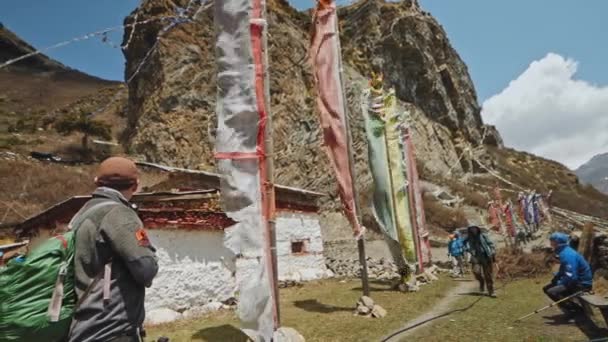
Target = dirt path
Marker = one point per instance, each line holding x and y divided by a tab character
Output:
445	305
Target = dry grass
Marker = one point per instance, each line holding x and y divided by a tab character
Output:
534	172
29	186
515	264
471	196
486	319
440	216
320	311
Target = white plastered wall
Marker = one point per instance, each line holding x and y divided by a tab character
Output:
304	227
194	269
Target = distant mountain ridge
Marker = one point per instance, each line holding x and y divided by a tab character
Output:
595	172
37	90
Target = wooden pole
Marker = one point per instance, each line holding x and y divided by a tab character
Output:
361	241
269	205
270	177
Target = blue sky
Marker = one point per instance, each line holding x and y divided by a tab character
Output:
43	23
497	39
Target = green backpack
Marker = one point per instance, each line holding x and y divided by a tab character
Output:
37	297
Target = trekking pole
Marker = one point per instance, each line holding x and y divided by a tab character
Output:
549	306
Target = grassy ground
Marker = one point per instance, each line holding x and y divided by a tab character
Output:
321	311
489	319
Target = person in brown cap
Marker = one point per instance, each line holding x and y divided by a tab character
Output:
114	260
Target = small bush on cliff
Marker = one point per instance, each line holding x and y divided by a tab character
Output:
443	217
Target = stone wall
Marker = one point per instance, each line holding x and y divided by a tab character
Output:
599	261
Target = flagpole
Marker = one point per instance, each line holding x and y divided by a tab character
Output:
268	159
361	240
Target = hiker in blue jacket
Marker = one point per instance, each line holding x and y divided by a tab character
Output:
456	254
574	273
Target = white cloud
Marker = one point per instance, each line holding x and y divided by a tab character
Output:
549	113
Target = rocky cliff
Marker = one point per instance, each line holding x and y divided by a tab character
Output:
172	100
595	172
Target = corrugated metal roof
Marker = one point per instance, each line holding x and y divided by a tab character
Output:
216	177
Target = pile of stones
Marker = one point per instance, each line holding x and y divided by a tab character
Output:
367	308
380	269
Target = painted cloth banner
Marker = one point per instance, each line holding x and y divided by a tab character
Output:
536	209
530	209
494	219
521	206
326	63
241	111
390	201
509	220
416	202
397	170
545	209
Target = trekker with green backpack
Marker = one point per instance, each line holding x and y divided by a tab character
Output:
114	260
87	285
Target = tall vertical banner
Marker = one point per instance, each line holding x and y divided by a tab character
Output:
326	63
424	243
390	199
247	195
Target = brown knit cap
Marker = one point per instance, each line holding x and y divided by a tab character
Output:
118	171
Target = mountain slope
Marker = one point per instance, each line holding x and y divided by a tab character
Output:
37	90
171	110
595	172
172	113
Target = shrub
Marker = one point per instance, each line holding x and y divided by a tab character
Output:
443	217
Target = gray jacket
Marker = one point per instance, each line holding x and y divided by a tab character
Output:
110	234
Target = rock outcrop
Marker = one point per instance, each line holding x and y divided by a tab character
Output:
172	100
595	172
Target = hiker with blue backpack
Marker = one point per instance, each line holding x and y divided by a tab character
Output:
456	254
574	274
87	285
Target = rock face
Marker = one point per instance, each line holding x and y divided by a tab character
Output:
172	100
595	172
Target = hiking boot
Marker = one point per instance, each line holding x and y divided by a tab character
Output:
492	295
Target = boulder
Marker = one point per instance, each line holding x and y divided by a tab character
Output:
163	315
286	334
378	312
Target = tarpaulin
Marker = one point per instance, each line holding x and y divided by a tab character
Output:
326	64
242	114
390	201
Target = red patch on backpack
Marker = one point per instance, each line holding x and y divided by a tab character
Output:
142	237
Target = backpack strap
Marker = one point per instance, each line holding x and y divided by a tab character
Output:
54	309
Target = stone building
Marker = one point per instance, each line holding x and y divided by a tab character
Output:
187	228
